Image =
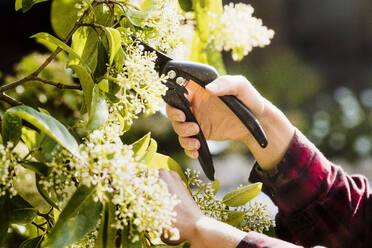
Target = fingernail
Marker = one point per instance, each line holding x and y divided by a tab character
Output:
212	87
181	118
197	144
196	128
195	154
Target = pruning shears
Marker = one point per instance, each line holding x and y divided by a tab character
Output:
179	74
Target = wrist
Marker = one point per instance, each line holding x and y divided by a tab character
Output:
197	232
279	132
209	232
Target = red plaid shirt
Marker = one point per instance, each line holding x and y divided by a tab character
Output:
318	203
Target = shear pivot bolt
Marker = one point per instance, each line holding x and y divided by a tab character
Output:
180	80
172	74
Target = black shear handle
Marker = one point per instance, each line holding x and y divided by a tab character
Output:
248	119
179	101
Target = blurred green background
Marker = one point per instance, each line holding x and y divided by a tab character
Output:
317	70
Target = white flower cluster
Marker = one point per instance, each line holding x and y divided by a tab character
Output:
60	182
205	197
141	86
239	31
256	216
163	25
141	198
8	164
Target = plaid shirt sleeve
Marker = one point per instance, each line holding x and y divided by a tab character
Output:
318	203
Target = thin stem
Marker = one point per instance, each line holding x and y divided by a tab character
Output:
39	226
47	217
112	79
27	155
93	25
58	85
9	99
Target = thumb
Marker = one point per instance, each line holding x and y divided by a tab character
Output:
225	85
239	87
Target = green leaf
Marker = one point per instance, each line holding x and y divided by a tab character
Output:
11	126
112	98
150	152
186	5
84	42
109	89
20	211
140	146
114	40
86	83
160	161
98	113
29	137
102	61
241	196
63	16
137	18
235	218
42	145
38	167
61	56
57	42
48	125
32	243
18	5
4	219
148	4
103	16
50	199
215	186
27	4
47	146
119	59
79	217
104	85
113	87
107	233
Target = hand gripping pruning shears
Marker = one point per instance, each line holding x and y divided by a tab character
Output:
179	74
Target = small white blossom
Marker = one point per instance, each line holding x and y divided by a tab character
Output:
141	87
163	22
239	31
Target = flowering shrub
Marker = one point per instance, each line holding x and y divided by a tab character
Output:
100	192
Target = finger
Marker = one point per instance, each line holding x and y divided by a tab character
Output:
189	143
240	87
175	114
227	85
192	153
185	129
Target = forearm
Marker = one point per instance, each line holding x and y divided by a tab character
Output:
279	133
210	233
